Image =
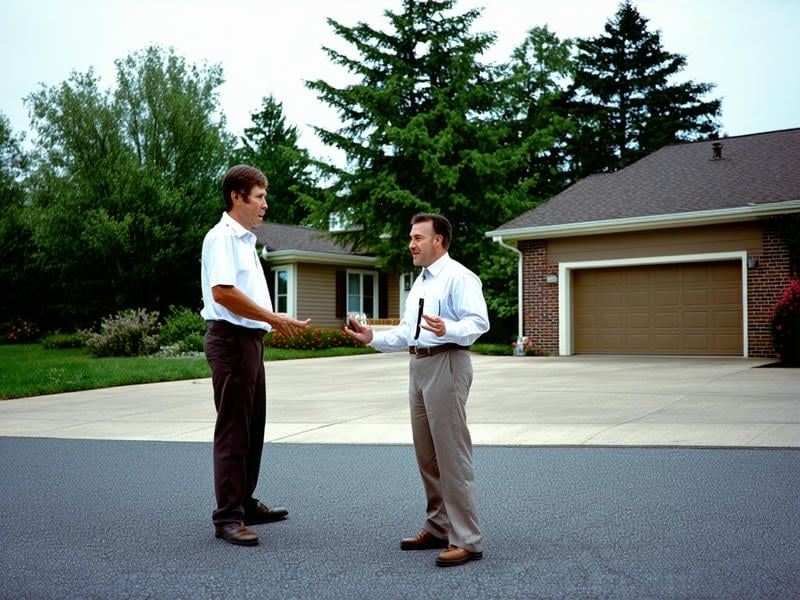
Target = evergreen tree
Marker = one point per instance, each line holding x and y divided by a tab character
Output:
420	133
623	99
537	78
272	145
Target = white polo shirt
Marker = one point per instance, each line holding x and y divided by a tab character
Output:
230	258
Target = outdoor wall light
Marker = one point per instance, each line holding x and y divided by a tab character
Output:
752	262
551	278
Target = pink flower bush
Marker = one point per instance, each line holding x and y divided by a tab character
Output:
786	325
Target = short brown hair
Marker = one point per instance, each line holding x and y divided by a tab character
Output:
241	179
441	226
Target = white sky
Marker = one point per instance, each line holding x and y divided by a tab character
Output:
749	48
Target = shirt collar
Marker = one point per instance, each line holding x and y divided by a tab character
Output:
240	231
439	265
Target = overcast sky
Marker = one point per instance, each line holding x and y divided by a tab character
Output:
749	48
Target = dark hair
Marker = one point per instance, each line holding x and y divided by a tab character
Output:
241	179
441	226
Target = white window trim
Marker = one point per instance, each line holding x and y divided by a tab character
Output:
291	287
565	325
375	289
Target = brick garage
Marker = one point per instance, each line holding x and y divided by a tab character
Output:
683	204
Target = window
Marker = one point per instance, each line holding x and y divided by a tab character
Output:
281	290
362	293
284	294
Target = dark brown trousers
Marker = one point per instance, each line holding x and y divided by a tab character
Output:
236	357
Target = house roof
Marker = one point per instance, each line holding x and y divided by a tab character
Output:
754	175
291	243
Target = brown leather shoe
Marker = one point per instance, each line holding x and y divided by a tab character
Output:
456	556
236	533
256	513
424	541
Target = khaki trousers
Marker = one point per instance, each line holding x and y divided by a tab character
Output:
438	390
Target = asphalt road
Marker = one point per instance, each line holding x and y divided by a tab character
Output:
131	519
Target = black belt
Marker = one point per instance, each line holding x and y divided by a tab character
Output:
228	327
423	352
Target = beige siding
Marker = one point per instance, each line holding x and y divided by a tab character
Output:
316	295
659	242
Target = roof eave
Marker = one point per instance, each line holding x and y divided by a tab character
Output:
686	219
280	257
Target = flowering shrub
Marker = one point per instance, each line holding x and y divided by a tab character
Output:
311	339
525	347
786	325
21	332
132	332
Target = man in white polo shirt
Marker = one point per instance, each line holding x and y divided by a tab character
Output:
238	311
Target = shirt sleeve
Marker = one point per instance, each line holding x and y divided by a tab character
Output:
465	314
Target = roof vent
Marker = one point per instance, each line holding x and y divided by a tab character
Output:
716	148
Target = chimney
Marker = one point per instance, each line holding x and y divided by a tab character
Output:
716	151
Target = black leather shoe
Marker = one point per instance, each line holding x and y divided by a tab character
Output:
236	533
256	513
424	541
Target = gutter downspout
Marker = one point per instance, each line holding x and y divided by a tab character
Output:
499	239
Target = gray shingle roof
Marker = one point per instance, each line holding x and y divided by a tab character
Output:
754	169
276	236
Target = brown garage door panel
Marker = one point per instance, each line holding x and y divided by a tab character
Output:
692	308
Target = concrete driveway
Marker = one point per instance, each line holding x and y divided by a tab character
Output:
515	401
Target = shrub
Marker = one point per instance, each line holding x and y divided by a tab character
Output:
183	330
311	339
786	325
525	347
132	332
21	331
62	341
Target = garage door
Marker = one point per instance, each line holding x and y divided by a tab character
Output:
692	308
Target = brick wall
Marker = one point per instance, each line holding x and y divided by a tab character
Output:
765	285
539	298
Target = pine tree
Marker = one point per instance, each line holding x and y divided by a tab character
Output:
624	101
419	133
272	146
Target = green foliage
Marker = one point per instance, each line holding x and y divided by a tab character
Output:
21	291
132	332
419	134
62	341
786	325
124	184
182	325
624	102
272	145
535	84
311	339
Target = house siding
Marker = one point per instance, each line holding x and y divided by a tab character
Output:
765	283
316	296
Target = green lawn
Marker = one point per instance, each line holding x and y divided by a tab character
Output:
31	370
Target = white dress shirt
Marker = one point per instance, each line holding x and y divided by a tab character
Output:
450	291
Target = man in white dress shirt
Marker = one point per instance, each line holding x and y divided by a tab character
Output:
445	313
